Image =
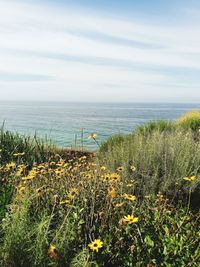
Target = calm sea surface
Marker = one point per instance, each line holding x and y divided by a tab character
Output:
63	122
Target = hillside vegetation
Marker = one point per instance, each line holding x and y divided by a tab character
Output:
136	203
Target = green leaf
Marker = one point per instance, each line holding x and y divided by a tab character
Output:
149	241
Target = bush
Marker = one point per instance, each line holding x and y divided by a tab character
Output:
115	139
190	120
159	126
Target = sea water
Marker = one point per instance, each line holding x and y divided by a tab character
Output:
69	124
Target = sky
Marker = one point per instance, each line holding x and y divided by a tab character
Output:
100	50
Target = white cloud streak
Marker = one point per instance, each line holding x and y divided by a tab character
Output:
31	35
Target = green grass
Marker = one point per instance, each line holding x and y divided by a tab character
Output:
34	148
163	152
64	202
159	126
161	159
165	234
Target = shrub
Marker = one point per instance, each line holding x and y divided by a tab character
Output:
115	139
159	126
190	120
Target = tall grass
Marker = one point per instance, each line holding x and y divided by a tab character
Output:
161	159
44	214
19	149
159	126
26	150
34	148
129	206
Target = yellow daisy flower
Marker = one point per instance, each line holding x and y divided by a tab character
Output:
38	192
53	252
19	172
96	245
27	178
73	192
64	202
133	168
112	193
130	219
130	185
106	177
21	190
88	176
115	177
60	163
129	197
11	165
103	168
92	136
118	205
189	178
120	169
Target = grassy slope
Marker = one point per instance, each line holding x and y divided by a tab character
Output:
163	153
44	213
161	159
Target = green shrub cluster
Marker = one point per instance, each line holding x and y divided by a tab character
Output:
190	120
153	126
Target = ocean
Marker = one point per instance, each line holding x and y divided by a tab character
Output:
69	124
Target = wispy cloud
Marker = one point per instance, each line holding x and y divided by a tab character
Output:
92	54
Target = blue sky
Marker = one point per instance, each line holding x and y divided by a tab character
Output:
101	51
